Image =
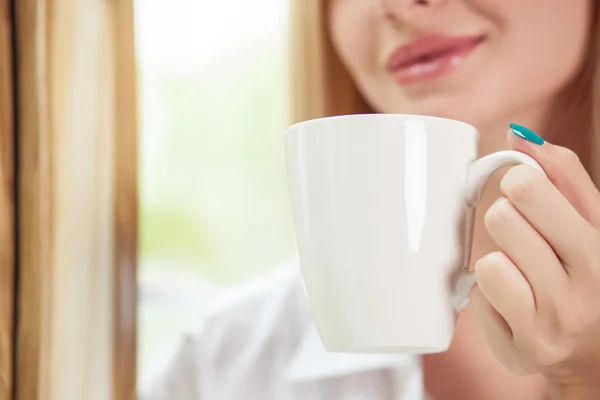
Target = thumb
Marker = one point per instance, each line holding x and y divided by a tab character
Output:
564	169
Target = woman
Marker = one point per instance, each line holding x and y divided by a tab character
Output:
532	329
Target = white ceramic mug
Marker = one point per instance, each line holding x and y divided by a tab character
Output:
382	207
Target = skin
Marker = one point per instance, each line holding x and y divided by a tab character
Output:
537	298
529	330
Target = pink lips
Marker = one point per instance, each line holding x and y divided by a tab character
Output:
429	57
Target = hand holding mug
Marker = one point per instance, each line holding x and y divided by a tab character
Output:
538	298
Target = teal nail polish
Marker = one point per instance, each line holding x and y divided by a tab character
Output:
526	133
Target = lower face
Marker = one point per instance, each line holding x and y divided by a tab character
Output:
488	60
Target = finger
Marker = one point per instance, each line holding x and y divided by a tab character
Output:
565	171
495	330
507	290
571	236
530	253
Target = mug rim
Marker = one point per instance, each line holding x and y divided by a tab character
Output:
295	127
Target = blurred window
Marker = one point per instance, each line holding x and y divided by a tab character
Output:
214	211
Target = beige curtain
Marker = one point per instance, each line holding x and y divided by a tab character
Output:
77	214
7	205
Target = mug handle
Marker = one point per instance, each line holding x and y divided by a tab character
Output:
476	176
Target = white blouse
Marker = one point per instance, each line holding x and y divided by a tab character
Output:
258	343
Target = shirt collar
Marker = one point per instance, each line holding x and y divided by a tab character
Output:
312	361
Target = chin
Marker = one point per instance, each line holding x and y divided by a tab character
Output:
466	110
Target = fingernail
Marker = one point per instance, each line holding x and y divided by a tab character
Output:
526	133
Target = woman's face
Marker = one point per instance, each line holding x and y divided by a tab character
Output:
476	60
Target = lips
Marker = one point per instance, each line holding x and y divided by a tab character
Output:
429	57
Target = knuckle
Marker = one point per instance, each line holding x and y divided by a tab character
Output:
551	350
566	156
498	214
520	183
580	317
485	268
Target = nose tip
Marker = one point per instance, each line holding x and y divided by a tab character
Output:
416	3
404	9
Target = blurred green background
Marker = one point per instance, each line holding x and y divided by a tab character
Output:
214	211
213	196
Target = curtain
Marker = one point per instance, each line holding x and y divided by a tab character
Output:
76	176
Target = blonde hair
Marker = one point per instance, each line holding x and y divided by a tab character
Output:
321	85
